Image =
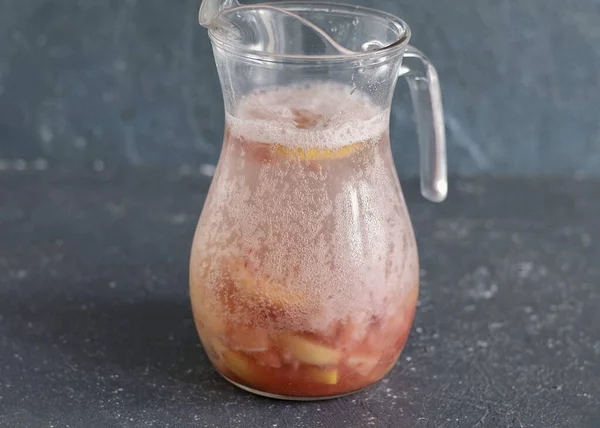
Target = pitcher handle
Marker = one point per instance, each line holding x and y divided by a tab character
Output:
426	96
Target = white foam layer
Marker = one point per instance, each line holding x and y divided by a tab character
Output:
326	115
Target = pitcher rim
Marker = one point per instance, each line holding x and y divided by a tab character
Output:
254	54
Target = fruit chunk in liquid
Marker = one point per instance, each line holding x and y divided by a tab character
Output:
347	357
254	352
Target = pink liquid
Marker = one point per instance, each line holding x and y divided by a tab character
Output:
304	271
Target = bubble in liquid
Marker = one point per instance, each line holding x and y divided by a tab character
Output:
355	21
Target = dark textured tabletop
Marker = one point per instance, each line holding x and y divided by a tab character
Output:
96	329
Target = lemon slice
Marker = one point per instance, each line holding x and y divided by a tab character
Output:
316	153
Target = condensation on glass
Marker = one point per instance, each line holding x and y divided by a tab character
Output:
304	272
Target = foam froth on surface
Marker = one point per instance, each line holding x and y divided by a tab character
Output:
326	115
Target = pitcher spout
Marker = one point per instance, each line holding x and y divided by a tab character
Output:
211	9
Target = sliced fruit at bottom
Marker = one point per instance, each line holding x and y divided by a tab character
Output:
247	339
309	352
391	329
268	358
218	347
351	333
324	376
363	364
240	365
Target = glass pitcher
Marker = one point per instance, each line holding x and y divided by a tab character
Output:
304	272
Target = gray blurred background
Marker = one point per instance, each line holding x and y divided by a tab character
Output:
113	83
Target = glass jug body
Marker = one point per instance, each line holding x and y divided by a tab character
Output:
304	270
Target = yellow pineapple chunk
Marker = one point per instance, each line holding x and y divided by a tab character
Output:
307	351
239	365
324	376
